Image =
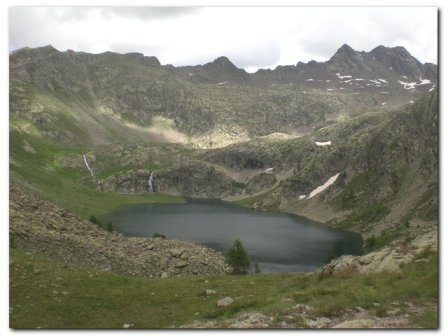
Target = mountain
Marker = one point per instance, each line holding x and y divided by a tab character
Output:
82	99
351	143
215	131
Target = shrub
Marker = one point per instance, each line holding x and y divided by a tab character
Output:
370	242
110	227
257	268
93	219
158	235
238	258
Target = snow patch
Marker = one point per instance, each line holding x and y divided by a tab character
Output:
408	85
382	104
384	92
302	197
321	188
383	80
331	89
342	76
325	143
412	85
411	102
221	83
269	170
424	81
310	80
432	89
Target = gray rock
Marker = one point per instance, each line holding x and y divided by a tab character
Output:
176	253
182	264
355	324
163	263
319	322
210	291
224	301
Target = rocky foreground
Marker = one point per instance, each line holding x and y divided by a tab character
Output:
302	316
46	229
389	259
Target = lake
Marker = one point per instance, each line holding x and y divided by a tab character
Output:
278	242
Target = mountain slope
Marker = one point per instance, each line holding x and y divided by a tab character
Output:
83	99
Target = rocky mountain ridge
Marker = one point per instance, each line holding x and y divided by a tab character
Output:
71	95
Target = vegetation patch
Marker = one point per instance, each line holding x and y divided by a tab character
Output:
50	294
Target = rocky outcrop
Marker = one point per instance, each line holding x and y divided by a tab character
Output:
46	229
303	316
389	259
130	182
195	179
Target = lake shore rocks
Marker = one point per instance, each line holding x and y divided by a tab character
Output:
389	259
46	229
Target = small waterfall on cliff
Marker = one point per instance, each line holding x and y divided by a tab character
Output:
151	183
92	173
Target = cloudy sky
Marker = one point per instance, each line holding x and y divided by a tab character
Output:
252	37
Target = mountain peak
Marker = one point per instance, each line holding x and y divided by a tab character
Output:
48	48
345	49
345	55
223	61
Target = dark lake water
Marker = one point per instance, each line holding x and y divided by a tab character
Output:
279	242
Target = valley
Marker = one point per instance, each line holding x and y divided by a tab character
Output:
351	143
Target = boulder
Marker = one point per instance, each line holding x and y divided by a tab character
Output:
182	264
176	252
224	301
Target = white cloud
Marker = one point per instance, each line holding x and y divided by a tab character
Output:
252	37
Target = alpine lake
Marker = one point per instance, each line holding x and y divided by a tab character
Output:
278	242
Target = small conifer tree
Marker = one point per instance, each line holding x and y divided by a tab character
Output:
238	258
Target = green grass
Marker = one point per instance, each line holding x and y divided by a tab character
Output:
41	173
374	243
429	319
365	215
100	299
239	185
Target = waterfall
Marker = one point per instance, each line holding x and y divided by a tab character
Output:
151	183
92	173
87	165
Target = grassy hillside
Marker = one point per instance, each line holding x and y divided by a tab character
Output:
36	164
50	294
